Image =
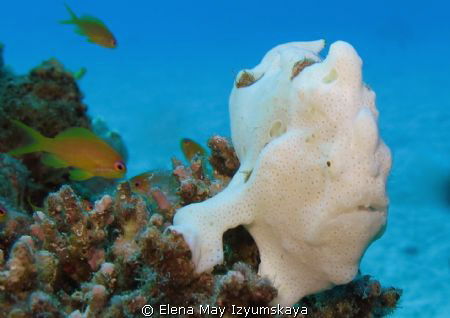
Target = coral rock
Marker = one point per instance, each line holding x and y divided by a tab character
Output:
20	268
242	287
14	183
223	157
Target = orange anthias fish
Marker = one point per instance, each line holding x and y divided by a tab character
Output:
144	182
95	30
190	148
76	147
159	186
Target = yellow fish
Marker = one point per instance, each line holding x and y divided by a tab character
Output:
156	186
95	30
190	148
76	147
144	182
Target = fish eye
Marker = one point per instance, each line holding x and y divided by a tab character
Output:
119	166
137	184
2	212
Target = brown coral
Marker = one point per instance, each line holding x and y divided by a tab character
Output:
14	181
363	297
196	183
75	267
223	158
47	99
20	268
242	287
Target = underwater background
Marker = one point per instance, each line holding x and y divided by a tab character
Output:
174	67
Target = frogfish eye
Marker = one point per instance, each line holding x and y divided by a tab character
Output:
119	166
2	210
137	184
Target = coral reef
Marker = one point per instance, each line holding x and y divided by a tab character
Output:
47	99
71	256
14	181
223	157
363	297
118	257
196	184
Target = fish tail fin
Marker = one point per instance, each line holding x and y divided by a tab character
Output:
37	141
73	17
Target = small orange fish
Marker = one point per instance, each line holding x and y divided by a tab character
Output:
157	186
95	30
87	205
141	183
190	148
144	182
76	147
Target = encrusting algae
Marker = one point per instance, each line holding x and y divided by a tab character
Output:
103	248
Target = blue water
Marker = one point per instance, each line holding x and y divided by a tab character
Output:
173	70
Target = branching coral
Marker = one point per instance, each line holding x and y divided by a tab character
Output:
117	257
223	157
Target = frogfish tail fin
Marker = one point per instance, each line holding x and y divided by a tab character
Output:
73	17
37	142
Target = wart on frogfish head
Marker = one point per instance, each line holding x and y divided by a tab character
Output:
246	78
